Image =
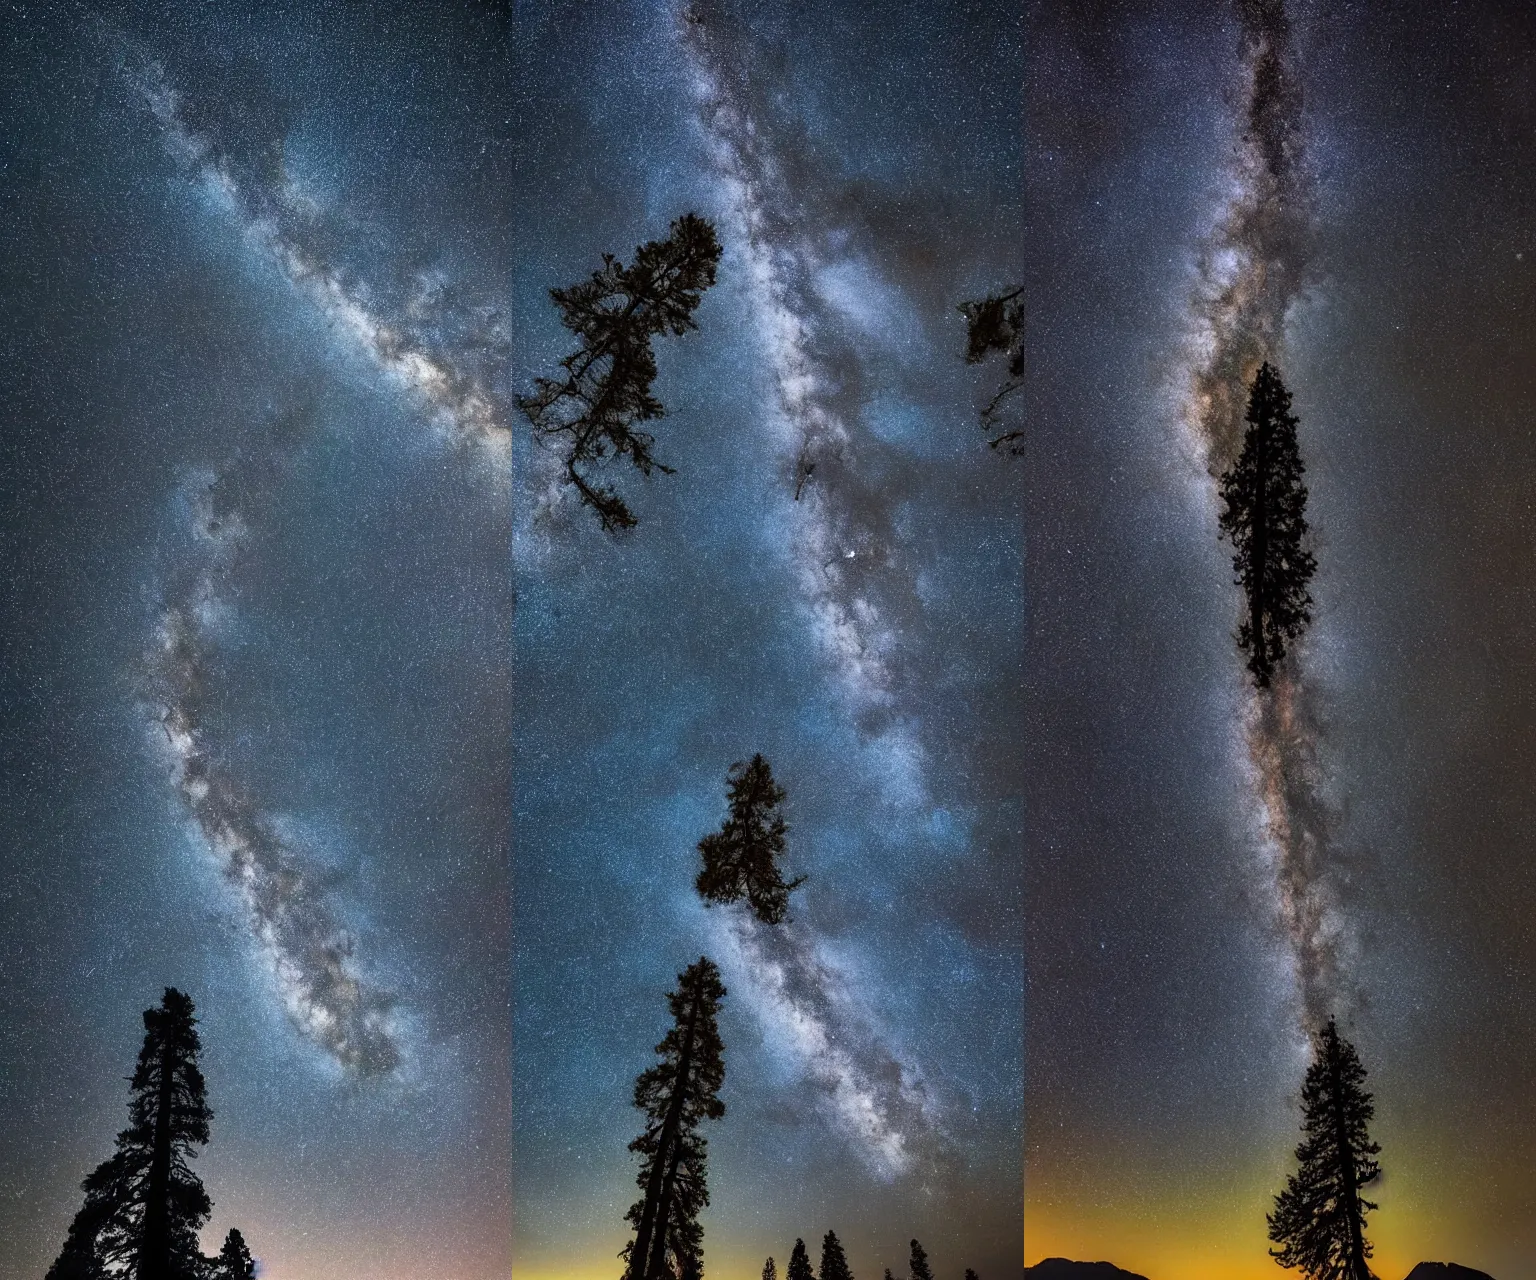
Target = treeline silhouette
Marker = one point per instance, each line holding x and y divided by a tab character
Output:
834	1263
144	1205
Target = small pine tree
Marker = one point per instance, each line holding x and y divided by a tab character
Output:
970	1275
888	1275
741	860
1265	517
799	1264
677	1094
770	1271
234	1261
834	1262
920	1268
1319	1219
995	325
143	1205
606	387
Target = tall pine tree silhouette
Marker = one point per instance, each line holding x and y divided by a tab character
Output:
1319	1219
144	1206
1266	518
834	1262
799	1264
770	1271
677	1095
919	1265
594	406
995	326
741	860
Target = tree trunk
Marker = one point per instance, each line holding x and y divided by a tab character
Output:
656	1270
639	1258
154	1247
1357	1267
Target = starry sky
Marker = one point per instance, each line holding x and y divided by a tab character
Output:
322	704
323	701
1382	255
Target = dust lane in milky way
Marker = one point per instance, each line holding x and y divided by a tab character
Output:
1208	873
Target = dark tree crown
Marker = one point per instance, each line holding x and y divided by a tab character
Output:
234	1260
605	389
1319	1219
919	1265
1265	518
143	1205
799	1264
834	1262
741	860
995	326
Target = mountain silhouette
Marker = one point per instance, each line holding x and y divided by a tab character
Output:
1066	1269
1446	1271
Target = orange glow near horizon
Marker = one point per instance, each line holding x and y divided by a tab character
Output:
1216	1232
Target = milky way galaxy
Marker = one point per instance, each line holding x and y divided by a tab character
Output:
1254	268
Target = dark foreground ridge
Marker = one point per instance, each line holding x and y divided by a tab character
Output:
1066	1269
1446	1271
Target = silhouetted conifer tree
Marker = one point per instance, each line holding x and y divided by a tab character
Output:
741	860
770	1271
834	1262
888	1275
606	387
919	1265
995	325
1266	519
799	1264
677	1094
1319	1219
144	1206
970	1275
234	1261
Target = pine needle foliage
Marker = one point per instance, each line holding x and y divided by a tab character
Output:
1319	1219
234	1261
799	1264
834	1262
677	1094
593	408
741	860
143	1205
920	1270
995	326
1265	517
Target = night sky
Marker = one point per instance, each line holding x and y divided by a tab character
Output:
1175	949
321	699
324	706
